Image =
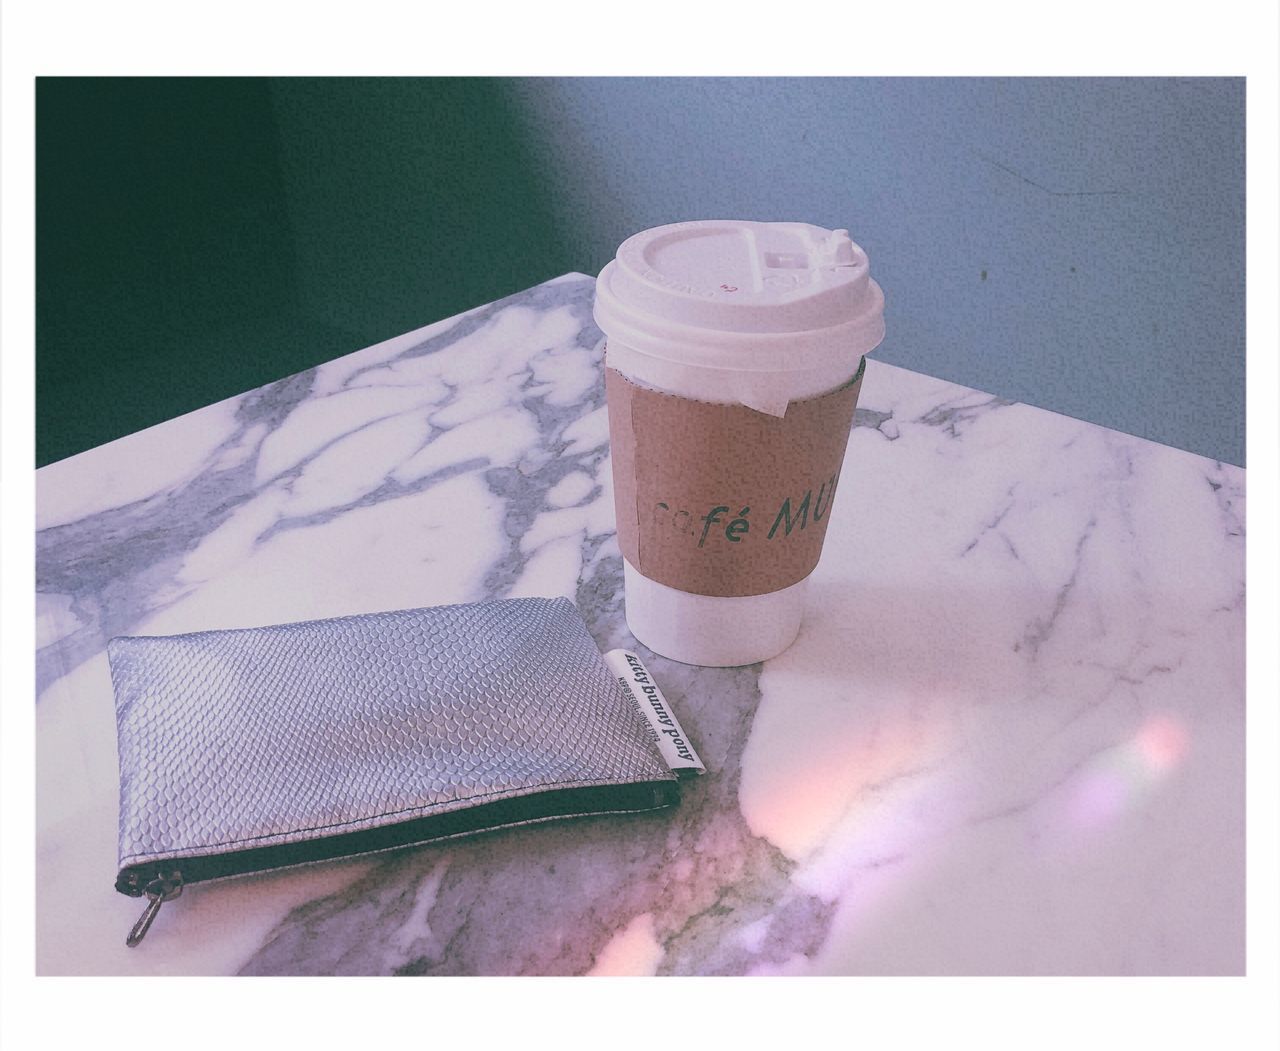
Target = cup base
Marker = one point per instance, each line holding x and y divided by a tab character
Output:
710	631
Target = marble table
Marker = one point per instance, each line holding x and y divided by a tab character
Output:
1009	740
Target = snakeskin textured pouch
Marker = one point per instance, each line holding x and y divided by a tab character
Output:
258	748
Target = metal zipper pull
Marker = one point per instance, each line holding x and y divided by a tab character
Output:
166	886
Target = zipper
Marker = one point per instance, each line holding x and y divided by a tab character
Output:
164	886
163	881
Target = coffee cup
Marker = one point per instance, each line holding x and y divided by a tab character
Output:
734	358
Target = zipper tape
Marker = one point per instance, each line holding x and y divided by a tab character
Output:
163	880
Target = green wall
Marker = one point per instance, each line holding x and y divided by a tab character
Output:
197	237
162	240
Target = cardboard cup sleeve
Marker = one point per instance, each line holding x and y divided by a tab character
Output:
716	499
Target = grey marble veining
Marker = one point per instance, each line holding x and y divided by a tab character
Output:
1008	740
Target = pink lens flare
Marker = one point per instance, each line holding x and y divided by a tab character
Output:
1118	781
1163	740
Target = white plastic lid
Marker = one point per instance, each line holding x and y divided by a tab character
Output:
691	291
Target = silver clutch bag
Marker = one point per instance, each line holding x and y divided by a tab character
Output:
258	748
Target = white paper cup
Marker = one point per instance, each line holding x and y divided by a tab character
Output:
733	312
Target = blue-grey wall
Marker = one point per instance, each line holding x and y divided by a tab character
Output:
1077	244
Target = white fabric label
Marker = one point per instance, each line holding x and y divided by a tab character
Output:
672	740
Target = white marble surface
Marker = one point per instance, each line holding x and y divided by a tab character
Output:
1009	740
